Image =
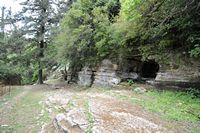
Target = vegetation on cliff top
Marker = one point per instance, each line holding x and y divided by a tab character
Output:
150	29
163	30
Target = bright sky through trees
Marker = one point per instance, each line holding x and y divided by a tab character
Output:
14	4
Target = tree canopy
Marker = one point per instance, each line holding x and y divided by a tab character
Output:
83	32
150	29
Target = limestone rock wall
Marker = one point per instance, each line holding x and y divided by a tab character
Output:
85	77
178	78
111	73
108	73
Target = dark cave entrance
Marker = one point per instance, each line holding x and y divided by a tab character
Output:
149	69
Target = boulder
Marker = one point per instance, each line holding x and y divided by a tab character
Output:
74	121
140	90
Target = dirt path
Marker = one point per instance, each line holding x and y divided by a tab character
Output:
75	110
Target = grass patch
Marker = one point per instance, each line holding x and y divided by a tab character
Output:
174	105
170	104
9	96
124	97
89	117
29	113
70	104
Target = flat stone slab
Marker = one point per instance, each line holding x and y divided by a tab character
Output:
113	116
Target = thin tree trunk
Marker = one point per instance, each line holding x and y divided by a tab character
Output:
40	80
41	48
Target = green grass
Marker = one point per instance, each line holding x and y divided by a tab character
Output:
10	95
27	114
70	104
174	105
89	117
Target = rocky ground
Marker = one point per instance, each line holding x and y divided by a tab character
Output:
74	109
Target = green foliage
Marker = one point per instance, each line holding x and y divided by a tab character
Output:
138	28
130	82
130	9
195	52
20	48
84	38
194	92
157	27
164	30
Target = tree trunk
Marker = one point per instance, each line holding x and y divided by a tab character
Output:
41	48
40	80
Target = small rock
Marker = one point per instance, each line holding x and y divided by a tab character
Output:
56	107
50	110
4	125
140	90
42	111
43	129
59	119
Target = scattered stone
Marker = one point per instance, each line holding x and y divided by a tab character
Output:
61	120
50	110
4	125
120	119
56	107
77	117
47	103
52	100
74	121
43	129
140	90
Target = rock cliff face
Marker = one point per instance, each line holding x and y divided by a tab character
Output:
85	77
187	77
109	73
